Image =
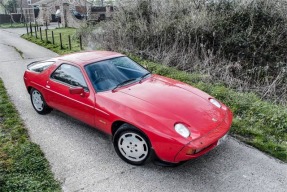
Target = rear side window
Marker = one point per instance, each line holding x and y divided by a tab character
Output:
70	75
39	66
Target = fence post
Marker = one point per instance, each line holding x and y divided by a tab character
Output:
70	46
53	40
31	31
61	41
27	29
36	32
81	46
41	34
46	32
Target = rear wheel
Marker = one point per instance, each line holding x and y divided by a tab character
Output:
39	102
132	145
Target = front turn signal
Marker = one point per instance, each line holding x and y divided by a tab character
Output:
190	151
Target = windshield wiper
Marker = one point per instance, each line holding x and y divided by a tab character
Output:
123	83
142	77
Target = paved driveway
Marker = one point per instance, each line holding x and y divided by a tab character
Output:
83	158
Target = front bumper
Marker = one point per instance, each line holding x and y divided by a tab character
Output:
205	143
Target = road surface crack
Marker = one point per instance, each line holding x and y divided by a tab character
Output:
17	50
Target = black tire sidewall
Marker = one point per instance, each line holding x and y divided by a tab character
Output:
46	108
126	128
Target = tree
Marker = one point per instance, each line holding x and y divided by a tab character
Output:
3	4
9	5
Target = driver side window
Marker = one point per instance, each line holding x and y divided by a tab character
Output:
70	75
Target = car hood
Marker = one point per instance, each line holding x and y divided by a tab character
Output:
182	103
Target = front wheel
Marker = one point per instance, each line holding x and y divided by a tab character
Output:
39	102
132	145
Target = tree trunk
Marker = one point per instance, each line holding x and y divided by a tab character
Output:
21	11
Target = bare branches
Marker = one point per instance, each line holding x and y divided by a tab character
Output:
241	43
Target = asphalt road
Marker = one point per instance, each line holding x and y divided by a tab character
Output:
83	158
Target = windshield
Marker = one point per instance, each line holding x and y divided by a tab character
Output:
109	74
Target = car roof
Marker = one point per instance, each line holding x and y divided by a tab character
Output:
83	58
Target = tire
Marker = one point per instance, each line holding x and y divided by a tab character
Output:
132	145
39	103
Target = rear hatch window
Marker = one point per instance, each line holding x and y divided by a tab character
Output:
39	66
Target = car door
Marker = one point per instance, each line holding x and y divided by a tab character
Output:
80	106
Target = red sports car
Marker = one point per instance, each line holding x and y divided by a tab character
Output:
146	114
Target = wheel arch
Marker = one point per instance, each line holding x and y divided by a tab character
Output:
116	125
29	89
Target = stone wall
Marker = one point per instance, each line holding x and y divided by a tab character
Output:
51	8
43	16
68	19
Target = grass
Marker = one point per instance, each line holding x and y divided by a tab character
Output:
23	166
75	43
12	25
256	122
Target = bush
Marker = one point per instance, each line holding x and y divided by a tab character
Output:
239	42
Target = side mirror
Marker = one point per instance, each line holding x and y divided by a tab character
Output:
77	90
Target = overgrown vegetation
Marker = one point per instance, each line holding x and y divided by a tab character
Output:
242	43
75	44
256	122
23	166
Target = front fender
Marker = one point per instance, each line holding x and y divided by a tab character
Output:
158	127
